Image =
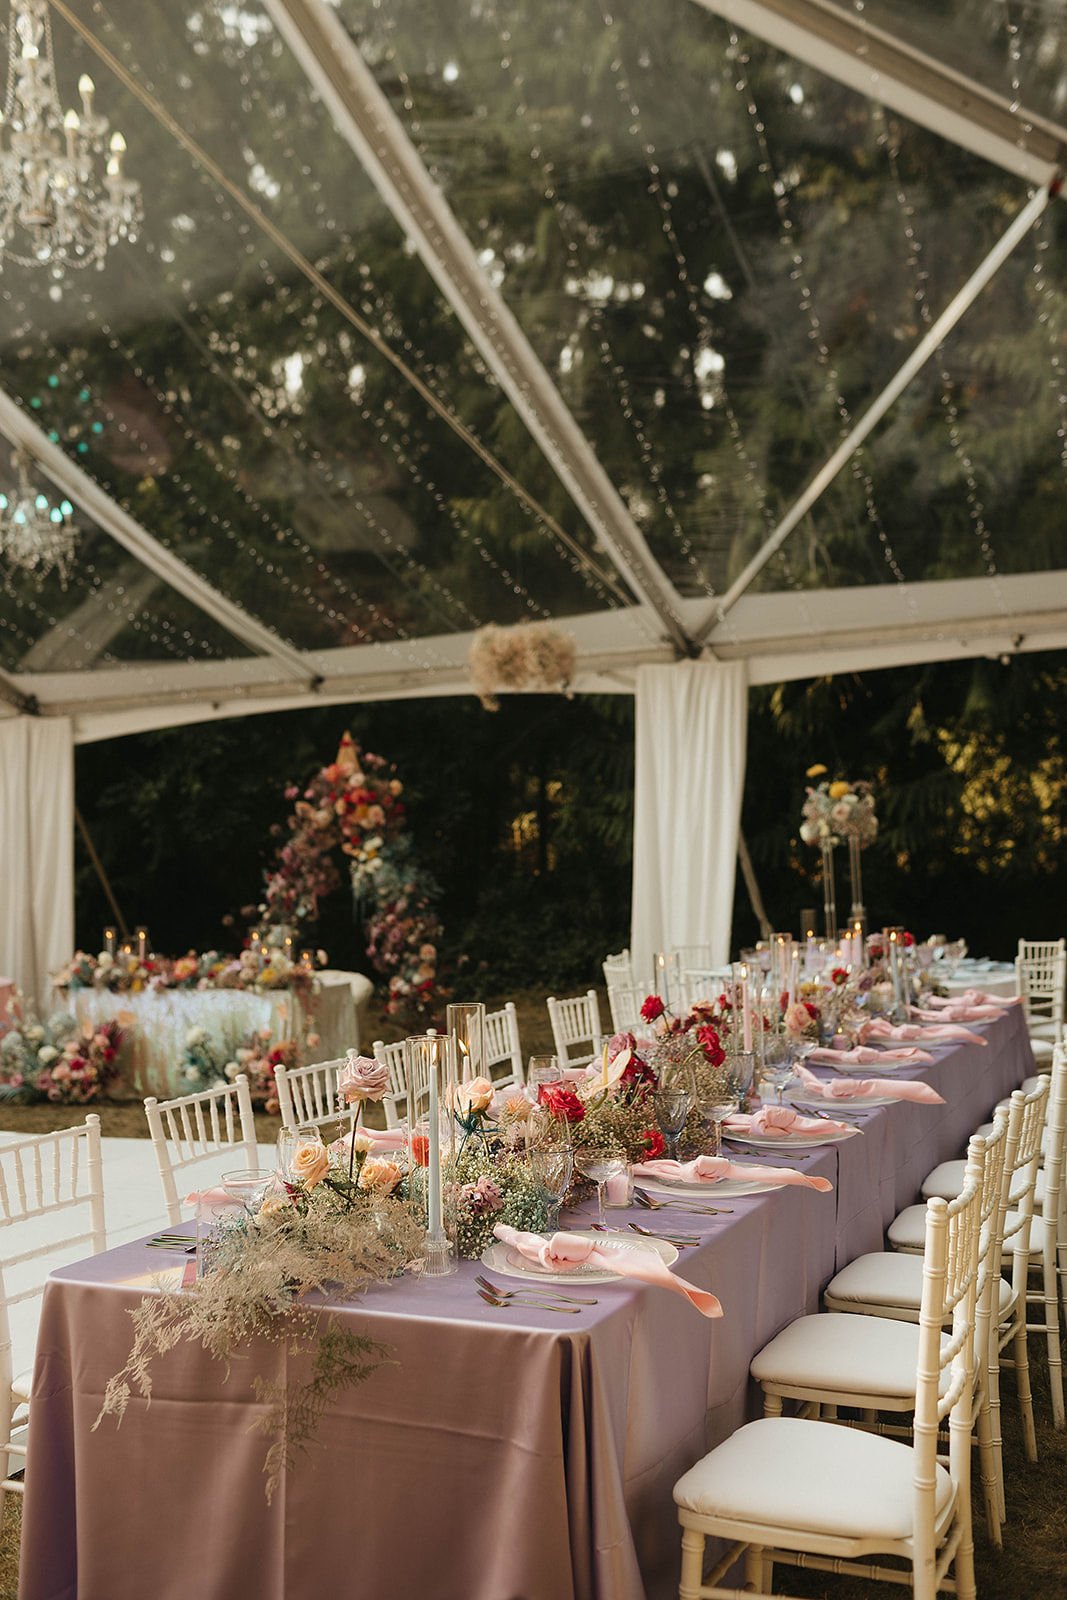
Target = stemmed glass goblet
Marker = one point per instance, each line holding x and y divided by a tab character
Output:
777	1062
717	1103
672	1108
552	1170
600	1165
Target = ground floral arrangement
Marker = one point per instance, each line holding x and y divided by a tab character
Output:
353	808
208	1064
60	1060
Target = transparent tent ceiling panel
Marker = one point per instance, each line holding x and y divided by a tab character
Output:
719	256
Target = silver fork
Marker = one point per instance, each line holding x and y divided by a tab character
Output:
546	1293
528	1305
643	1198
813	1111
671	1238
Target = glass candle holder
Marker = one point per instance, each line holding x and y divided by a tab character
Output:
465	1026
430	1069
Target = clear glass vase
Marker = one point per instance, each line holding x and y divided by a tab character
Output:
829	891
855	872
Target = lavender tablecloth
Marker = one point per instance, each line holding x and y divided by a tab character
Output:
506	1455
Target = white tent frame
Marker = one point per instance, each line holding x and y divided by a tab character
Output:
846	630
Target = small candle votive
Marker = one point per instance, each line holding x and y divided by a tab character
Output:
619	1189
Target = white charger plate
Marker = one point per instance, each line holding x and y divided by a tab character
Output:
725	1189
870	1069
791	1141
506	1260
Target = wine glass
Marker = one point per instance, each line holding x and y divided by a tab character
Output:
542	1069
672	1108
600	1165
289	1142
717	1103
777	1062
246	1186
552	1170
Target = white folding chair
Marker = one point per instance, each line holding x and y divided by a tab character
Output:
40	1177
692	955
196	1128
575	1026
624	1003
307	1096
701	983
618	969
1048	1241
503	1048
791	1489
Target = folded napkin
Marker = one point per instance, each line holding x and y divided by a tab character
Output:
959	1013
853	1088
714	1169
566	1251
975	997
205	1201
778	1122
933	1032
863	1056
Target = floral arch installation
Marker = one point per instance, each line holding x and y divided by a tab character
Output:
353	807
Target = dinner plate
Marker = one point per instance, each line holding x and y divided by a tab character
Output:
725	1189
505	1259
869	1069
791	1141
825	1103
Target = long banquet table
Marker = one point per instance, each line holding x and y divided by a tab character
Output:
506	1455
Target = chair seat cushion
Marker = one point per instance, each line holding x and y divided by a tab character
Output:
1043	1028
907	1231
1042	1049
20	1386
885	1278
810	1476
946	1180
838	1354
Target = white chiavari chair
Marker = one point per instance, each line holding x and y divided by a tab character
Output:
1040	978
576	1027
503	1047
41	1177
822	1495
395	1100
196	1128
307	1096
624	1003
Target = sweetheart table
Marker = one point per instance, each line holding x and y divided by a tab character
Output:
506	1454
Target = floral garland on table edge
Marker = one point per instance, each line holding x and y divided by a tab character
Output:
836	811
531	656
353	806
207	1063
61	1060
127	974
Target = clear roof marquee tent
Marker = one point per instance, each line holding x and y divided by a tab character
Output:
723	332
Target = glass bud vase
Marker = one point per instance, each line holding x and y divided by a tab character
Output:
855	872
429	1060
829	892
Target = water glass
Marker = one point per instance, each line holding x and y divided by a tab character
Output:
542	1069
672	1109
777	1062
552	1170
289	1141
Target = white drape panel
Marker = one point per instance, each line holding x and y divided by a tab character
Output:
36	850
691	720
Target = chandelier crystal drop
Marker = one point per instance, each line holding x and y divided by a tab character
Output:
56	208
36	534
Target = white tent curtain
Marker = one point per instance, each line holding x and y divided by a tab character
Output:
36	850
691	722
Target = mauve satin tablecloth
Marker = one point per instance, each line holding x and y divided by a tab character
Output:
506	1455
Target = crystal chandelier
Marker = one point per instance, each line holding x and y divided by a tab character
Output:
35	534
55	208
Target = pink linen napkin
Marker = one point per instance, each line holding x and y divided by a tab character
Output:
777	1122
863	1056
975	997
851	1088
879	1028
959	1013
566	1251
206	1201
714	1169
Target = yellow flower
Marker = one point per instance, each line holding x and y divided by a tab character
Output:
838	790
815	772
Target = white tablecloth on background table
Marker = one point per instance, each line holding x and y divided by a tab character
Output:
995	977
162	1019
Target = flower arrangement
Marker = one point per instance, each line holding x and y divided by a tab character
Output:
61	1060
124	973
207	1062
531	656
833	812
353	807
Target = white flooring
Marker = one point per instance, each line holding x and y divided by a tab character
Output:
133	1206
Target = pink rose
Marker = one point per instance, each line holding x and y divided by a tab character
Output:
475	1095
309	1164
362	1078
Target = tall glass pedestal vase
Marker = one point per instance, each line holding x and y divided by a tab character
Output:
855	872
829	892
430	1064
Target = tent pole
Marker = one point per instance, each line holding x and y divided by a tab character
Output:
931	341
105	881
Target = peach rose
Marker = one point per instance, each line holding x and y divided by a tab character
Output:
472	1096
310	1164
379	1174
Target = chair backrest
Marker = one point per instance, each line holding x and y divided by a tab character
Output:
1054	1202
502	1047
575	1025
949	1295
992	1212
618	969
395	1100
308	1095
1040	978
624	1002
196	1127
1027	1115
43	1176
689	956
702	983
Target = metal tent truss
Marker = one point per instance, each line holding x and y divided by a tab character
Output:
842	629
